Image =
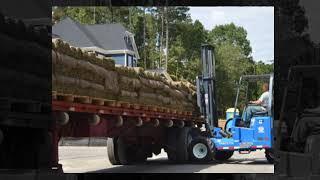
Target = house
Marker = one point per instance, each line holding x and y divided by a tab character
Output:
105	40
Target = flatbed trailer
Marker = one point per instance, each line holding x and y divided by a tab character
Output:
150	127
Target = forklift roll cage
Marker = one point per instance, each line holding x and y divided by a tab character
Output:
255	78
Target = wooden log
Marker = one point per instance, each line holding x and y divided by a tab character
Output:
124	104
145	108
98	101
136	106
110	103
83	99
65	97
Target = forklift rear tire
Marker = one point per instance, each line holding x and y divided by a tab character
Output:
222	155
113	151
200	150
226	124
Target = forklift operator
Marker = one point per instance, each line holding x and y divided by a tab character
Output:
257	106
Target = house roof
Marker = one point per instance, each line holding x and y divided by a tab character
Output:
104	36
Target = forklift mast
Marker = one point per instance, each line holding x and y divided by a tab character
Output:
206	91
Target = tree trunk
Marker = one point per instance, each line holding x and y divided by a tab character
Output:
167	38
129	14
111	10
144	38
161	38
94	15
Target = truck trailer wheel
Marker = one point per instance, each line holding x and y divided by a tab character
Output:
178	140
200	150
130	154
123	154
184	138
113	151
171	144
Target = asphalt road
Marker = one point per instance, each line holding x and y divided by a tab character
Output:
81	159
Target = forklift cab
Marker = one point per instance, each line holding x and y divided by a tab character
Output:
258	133
243	95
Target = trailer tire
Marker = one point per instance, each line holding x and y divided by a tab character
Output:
130	154
171	144
113	151
123	154
182	145
178	140
184	138
199	150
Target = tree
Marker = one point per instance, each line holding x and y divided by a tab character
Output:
232	34
231	63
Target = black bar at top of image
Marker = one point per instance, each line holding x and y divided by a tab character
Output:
163	2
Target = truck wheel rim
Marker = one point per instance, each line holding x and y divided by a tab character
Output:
200	150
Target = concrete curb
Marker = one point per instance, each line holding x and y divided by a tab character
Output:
83	141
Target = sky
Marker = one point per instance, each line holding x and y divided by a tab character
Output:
258	22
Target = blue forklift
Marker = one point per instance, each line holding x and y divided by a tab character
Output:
220	143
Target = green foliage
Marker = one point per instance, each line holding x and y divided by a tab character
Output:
230	33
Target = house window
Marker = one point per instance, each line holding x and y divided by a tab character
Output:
130	61
119	59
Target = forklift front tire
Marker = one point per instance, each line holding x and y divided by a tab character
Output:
200	150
